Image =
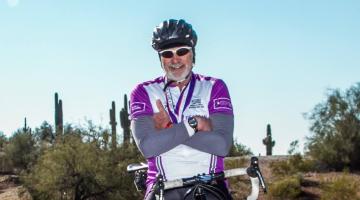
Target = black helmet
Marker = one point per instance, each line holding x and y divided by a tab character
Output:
172	33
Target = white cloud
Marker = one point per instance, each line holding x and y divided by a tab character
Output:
12	3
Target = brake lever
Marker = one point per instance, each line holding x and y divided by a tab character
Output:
254	171
261	179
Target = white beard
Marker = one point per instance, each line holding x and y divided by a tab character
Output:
182	76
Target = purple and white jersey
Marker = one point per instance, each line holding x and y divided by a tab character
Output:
202	96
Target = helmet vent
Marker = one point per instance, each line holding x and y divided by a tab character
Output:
171	32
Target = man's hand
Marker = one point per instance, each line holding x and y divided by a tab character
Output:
204	124
161	119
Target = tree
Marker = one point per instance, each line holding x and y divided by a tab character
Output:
3	141
21	150
44	134
294	147
336	127
5	163
239	149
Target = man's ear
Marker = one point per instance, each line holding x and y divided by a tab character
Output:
161	63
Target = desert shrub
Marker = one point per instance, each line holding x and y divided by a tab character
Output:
81	169
21	152
285	188
295	164
287	176
343	187
301	163
282	168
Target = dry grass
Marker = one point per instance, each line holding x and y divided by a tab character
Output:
311	186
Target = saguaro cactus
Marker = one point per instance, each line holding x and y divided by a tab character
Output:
113	125
268	142
125	121
26	128
58	116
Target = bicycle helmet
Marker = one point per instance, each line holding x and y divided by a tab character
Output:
172	33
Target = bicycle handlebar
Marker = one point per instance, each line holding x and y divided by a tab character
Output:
209	177
253	171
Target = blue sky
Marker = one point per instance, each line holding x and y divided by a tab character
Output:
277	57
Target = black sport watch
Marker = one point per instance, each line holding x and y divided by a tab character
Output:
193	123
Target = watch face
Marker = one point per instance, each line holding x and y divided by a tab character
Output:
192	122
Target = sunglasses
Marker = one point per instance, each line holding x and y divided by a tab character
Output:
180	51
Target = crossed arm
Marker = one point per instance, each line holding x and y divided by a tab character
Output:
215	135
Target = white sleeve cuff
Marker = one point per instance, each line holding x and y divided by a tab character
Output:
189	129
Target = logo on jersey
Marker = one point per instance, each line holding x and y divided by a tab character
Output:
137	107
222	103
196	103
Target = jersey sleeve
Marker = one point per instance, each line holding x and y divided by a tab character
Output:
220	101
140	103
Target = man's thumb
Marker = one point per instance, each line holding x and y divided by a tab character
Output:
160	106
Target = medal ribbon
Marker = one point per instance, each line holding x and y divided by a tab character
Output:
173	117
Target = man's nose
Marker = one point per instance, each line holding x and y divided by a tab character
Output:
175	59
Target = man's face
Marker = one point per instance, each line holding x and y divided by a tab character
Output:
177	62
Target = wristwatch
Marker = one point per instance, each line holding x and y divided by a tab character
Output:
193	123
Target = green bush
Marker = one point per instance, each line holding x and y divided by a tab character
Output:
21	151
343	187
287	176
81	170
294	165
285	188
301	163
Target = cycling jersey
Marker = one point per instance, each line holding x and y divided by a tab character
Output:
183	154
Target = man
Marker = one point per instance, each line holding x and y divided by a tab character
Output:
182	122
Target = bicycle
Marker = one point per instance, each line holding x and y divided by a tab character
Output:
201	182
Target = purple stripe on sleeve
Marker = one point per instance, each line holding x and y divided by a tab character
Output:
220	101
219	164
140	103
152	171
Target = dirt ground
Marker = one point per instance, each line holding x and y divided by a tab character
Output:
10	189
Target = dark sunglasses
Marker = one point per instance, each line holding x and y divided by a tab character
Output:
180	51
